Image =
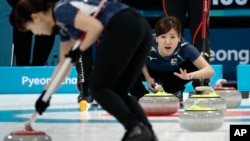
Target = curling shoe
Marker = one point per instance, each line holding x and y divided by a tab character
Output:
81	97
138	133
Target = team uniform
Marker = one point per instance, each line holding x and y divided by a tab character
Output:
125	44
84	63
162	69
66	10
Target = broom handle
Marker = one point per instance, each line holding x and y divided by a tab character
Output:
204	28
64	66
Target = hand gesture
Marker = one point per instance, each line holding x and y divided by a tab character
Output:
184	75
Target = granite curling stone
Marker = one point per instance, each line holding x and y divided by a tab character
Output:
229	94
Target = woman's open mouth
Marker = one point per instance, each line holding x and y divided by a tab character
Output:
167	48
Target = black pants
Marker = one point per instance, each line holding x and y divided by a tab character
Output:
119	60
84	69
167	79
23	47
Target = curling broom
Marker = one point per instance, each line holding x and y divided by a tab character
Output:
28	134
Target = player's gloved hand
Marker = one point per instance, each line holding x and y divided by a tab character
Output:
40	105
74	54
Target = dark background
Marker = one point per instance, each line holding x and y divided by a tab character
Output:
240	20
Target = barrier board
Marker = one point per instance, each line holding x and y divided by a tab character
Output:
33	80
243	77
28	80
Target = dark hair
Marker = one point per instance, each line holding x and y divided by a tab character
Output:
165	24
24	8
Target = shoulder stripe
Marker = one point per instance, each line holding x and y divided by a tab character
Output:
84	7
183	44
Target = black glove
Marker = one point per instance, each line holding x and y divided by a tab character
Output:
40	105
74	54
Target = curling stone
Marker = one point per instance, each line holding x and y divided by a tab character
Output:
160	103
197	118
208	98
27	135
230	94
